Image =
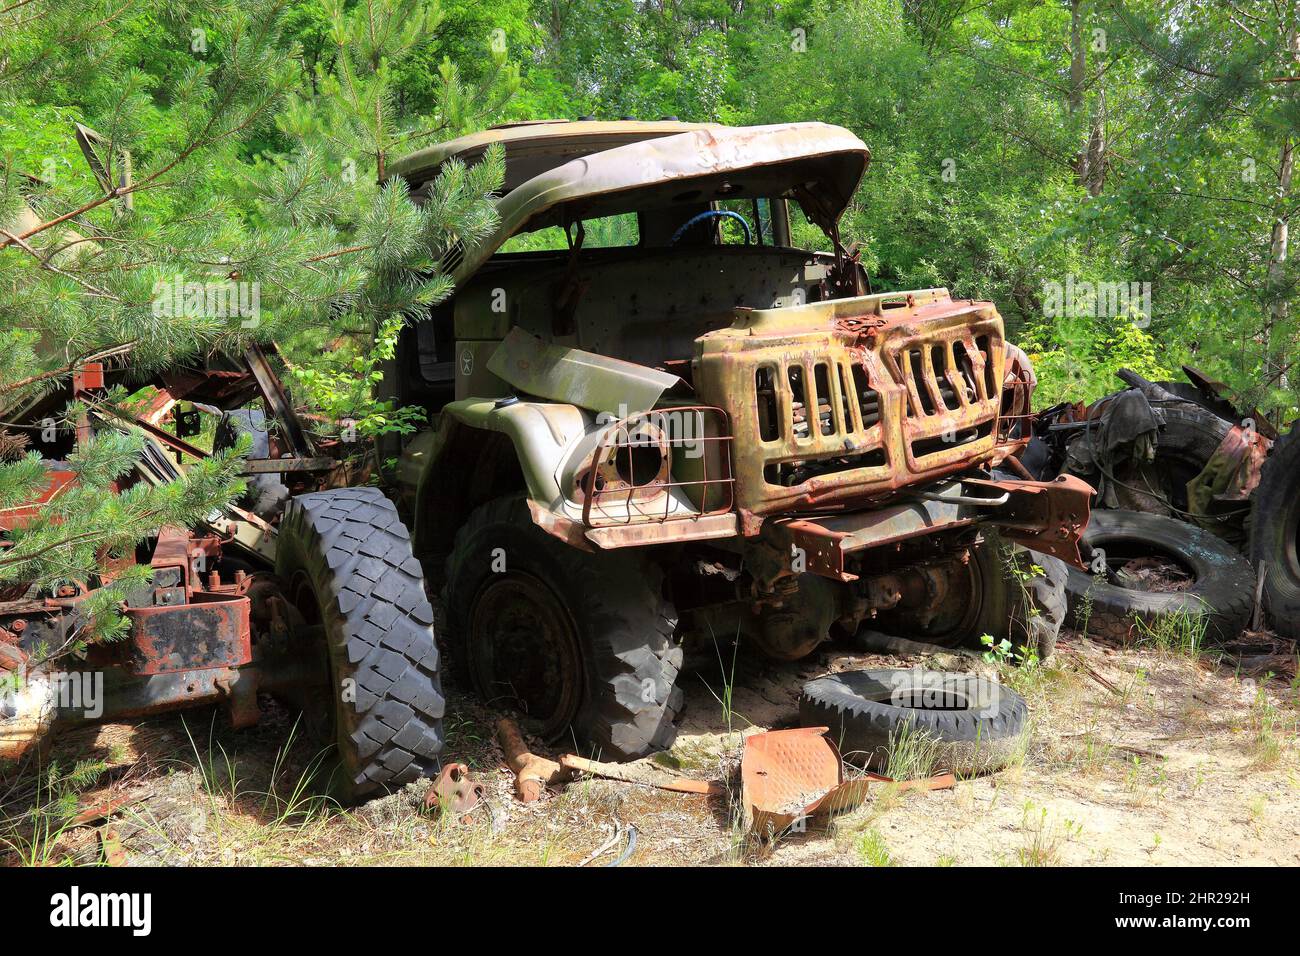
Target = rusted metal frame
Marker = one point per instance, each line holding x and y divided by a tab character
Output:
86	380
19	515
300	443
874	341
608	537
693	528
1043	516
1046	516
186	628
168	439
826	547
953	375
251	466
816	445
931	376
969	415
657	488
173	391
130	696
275	466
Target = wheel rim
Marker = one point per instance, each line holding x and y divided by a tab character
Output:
951	617
524	651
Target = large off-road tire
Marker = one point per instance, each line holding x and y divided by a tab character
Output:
1184	446
266	495
345	558
1220	589
975	724
581	643
1275	533
1005	591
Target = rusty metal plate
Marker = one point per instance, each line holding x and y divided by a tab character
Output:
454	791
784	774
213	632
792	775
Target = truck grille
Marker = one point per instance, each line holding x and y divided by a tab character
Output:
865	404
945	382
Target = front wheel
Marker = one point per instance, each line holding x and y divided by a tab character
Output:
345	559
576	641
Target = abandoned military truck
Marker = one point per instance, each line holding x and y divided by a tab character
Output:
656	421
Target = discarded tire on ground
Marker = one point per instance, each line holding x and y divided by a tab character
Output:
572	639
1275	533
266	495
345	557
972	724
1204	576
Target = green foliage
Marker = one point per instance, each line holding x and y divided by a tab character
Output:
1004	655
32	836
977	181
254	183
342	386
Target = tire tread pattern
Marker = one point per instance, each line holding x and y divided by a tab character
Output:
357	552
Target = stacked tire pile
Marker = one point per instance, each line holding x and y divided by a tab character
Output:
1164	576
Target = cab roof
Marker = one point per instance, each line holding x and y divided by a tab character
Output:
560	172
533	147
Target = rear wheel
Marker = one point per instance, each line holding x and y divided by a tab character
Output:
345	559
576	641
1003	590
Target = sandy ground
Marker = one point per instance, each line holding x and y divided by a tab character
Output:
1137	757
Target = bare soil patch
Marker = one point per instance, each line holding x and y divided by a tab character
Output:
1137	757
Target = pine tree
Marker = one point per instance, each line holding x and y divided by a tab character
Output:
214	164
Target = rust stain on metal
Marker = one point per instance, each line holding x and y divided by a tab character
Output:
793	775
785	775
533	774
848	401
211	632
454	791
648	462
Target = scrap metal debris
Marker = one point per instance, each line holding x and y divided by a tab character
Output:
790	776
533	774
453	791
660	781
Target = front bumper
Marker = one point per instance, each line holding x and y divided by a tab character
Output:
1044	516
